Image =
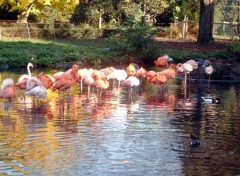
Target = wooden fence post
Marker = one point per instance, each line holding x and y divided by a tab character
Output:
185	27
28	31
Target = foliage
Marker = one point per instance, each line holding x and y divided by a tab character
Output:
190	8
44	9
234	48
136	35
115	12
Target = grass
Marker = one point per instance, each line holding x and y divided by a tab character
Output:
46	53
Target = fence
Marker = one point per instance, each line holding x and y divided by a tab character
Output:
12	29
184	29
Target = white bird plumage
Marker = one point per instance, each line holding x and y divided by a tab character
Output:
210	100
8	82
131	81
37	92
119	75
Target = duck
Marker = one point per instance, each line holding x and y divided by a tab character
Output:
194	141
211	100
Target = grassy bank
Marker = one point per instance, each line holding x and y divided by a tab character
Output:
43	53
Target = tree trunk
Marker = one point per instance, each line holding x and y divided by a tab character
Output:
205	32
100	20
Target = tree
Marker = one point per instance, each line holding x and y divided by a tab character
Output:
152	8
36	7
205	32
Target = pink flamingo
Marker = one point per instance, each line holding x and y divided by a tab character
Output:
23	78
46	80
162	61
141	72
170	72
101	84
107	71
96	74
8	89
88	80
57	75
151	77
35	88
82	73
186	69
67	79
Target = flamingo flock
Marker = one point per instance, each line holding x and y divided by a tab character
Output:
132	76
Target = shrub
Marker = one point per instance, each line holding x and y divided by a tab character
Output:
234	48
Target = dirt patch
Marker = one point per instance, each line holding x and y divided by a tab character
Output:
192	45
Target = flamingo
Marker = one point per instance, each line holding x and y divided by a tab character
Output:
37	92
67	79
161	78
118	75
186	69
107	70
193	63
102	84
8	89
151	77
46	80
33	82
170	72
57	75
131	81
82	73
22	80
96	74
8	82
162	61
132	69
208	70
88	80
141	72
35	88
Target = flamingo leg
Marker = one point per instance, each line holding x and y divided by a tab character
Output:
185	80
81	85
88	91
118	84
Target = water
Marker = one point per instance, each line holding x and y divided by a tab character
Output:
148	134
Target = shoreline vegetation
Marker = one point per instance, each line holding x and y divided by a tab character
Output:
17	53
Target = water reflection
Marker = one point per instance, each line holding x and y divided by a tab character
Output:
112	134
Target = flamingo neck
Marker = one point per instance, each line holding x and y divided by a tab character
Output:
28	69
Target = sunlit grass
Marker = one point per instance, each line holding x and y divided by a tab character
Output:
17	53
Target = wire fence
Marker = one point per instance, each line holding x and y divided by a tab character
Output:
181	29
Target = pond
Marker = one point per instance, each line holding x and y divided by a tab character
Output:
147	133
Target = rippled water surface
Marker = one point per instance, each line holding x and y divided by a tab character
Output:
147	133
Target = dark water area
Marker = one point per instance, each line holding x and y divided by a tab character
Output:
147	133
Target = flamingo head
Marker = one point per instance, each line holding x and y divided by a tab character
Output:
131	70
172	67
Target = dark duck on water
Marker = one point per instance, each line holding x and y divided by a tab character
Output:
195	142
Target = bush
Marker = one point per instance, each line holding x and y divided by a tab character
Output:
234	49
136	35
